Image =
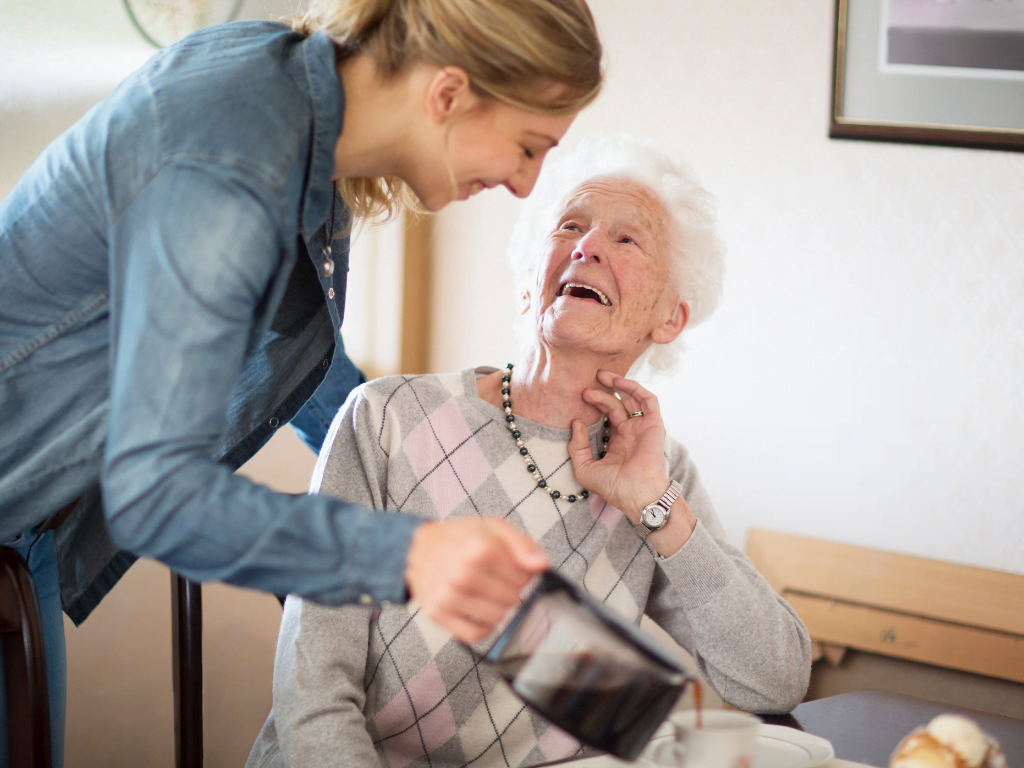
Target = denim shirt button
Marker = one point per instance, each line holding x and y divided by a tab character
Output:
328	267
274	421
330	293
365	599
325	363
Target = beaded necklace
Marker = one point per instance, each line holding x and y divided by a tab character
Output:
531	464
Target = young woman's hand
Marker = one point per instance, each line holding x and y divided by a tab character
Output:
467	573
632	474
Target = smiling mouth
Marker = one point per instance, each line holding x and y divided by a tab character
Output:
580	291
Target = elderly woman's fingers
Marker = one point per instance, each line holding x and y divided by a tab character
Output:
579	449
608	378
608	404
647	401
631	404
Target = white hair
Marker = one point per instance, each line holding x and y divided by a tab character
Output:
696	259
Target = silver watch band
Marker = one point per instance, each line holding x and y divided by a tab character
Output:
642	529
668	498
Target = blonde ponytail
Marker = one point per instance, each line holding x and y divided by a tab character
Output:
511	50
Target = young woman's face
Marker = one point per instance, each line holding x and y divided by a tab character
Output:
491	145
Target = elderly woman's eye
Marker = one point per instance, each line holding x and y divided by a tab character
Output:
572	227
627	239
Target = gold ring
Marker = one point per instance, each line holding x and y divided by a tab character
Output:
634	414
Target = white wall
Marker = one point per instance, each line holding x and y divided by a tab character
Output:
863	380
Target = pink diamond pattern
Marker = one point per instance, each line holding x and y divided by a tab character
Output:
425	690
601	510
556	744
446	460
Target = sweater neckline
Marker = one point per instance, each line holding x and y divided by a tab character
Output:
530	429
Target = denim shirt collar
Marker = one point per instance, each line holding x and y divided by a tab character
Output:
328	102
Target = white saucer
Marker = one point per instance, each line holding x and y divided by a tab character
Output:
782	747
777	747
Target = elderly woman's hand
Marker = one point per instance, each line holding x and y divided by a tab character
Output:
632	473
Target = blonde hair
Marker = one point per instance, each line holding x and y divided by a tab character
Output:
510	49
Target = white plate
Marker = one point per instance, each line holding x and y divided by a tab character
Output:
777	747
782	747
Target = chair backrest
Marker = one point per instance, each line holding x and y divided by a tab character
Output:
940	613
24	658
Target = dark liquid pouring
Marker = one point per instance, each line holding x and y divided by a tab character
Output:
603	703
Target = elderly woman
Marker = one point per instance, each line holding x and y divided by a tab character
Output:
615	255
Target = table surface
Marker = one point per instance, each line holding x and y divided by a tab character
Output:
866	726
607	761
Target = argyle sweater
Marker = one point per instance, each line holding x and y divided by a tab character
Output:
385	686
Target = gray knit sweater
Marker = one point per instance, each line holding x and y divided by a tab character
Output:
384	686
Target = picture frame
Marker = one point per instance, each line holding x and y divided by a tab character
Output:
909	72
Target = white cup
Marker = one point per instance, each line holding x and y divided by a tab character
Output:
726	739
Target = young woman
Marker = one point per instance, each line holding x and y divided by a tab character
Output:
172	281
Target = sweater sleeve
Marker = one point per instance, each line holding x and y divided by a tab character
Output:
318	686
322	651
748	642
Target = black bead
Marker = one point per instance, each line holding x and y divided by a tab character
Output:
523	451
516	434
604	439
572	498
531	467
602	454
607	422
555	495
543	484
504	390
509	418
509	366
584	494
505	403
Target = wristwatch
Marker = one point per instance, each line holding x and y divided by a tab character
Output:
654	516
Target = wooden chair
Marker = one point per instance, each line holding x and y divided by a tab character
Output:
928	611
26	685
187	661
24	658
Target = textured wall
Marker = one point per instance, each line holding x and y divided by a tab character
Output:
862	380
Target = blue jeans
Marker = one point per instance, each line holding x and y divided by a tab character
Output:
38	551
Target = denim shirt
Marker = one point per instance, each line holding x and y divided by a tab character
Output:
165	305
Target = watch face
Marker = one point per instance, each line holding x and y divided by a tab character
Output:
654	517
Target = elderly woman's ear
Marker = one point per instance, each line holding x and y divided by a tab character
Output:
523	302
667	332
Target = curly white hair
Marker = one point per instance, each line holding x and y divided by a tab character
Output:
696	255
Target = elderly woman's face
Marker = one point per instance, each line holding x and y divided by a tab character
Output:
604	283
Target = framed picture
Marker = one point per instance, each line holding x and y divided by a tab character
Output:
930	72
